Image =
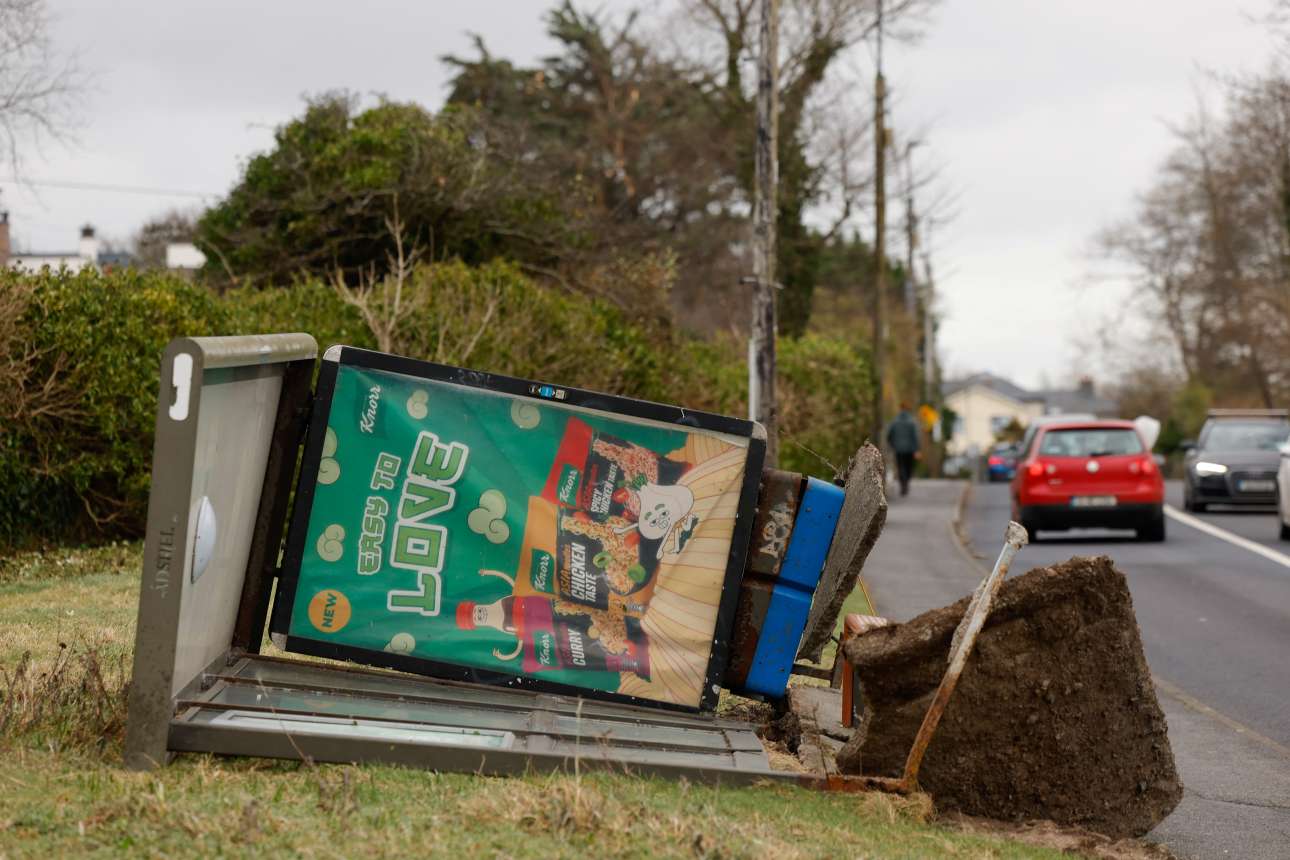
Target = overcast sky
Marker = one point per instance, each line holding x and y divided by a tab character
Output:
1046	118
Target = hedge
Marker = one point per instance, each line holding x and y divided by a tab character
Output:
79	358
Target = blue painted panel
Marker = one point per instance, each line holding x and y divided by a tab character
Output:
817	518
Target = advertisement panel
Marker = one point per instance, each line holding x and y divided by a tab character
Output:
479	527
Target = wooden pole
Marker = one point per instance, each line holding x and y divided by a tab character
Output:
911	234
930	393
761	401
929	333
880	238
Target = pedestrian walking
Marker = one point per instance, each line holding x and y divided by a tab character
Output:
902	438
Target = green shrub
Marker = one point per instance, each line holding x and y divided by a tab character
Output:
494	318
824	389
82	359
708	375
825	403
307	306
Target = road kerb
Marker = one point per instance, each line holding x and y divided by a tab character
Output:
1200	707
958	533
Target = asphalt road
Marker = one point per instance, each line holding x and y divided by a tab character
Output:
1215	616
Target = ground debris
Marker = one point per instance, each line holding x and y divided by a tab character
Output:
1055	716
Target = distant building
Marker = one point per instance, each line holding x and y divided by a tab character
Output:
86	253
985	404
184	255
181	257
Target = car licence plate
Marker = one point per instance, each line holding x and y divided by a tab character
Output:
1256	486
1093	501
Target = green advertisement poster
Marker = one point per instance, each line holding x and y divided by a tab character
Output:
517	535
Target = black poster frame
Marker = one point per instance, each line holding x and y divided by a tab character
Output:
538	392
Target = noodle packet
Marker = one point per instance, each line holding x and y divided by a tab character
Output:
602	474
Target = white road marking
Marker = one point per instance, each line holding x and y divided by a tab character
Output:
1223	534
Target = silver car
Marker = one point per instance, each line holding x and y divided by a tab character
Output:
1283	492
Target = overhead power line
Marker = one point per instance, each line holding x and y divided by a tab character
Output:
112	189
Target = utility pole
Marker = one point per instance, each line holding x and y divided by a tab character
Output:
911	234
879	243
929	331
934	463
761	377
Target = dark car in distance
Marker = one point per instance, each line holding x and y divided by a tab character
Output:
1234	461
1001	462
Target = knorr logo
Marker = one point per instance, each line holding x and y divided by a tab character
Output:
542	571
544	648
567	490
329	611
367	419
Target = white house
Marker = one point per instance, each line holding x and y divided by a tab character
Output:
86	253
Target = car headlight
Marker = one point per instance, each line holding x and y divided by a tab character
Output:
1206	468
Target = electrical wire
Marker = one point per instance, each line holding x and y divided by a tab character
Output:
115	189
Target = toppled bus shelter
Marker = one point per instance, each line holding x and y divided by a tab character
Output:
564	578
563	568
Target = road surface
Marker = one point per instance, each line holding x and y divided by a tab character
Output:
1213	602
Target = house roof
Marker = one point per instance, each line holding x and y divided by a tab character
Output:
1083	399
995	383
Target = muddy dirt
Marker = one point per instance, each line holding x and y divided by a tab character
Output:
1054	717
1068	840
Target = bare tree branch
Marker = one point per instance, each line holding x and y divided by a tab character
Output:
39	90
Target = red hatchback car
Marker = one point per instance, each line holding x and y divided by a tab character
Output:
1089	474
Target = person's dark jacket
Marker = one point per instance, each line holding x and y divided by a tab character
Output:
902	434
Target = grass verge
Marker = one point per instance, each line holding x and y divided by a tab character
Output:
62	790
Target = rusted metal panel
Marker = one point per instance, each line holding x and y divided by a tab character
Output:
853	625
750	616
790	604
777	504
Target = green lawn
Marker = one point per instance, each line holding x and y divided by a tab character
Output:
62	791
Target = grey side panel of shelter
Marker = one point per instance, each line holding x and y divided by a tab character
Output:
215	413
264	707
251	349
206	737
238	406
157	628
